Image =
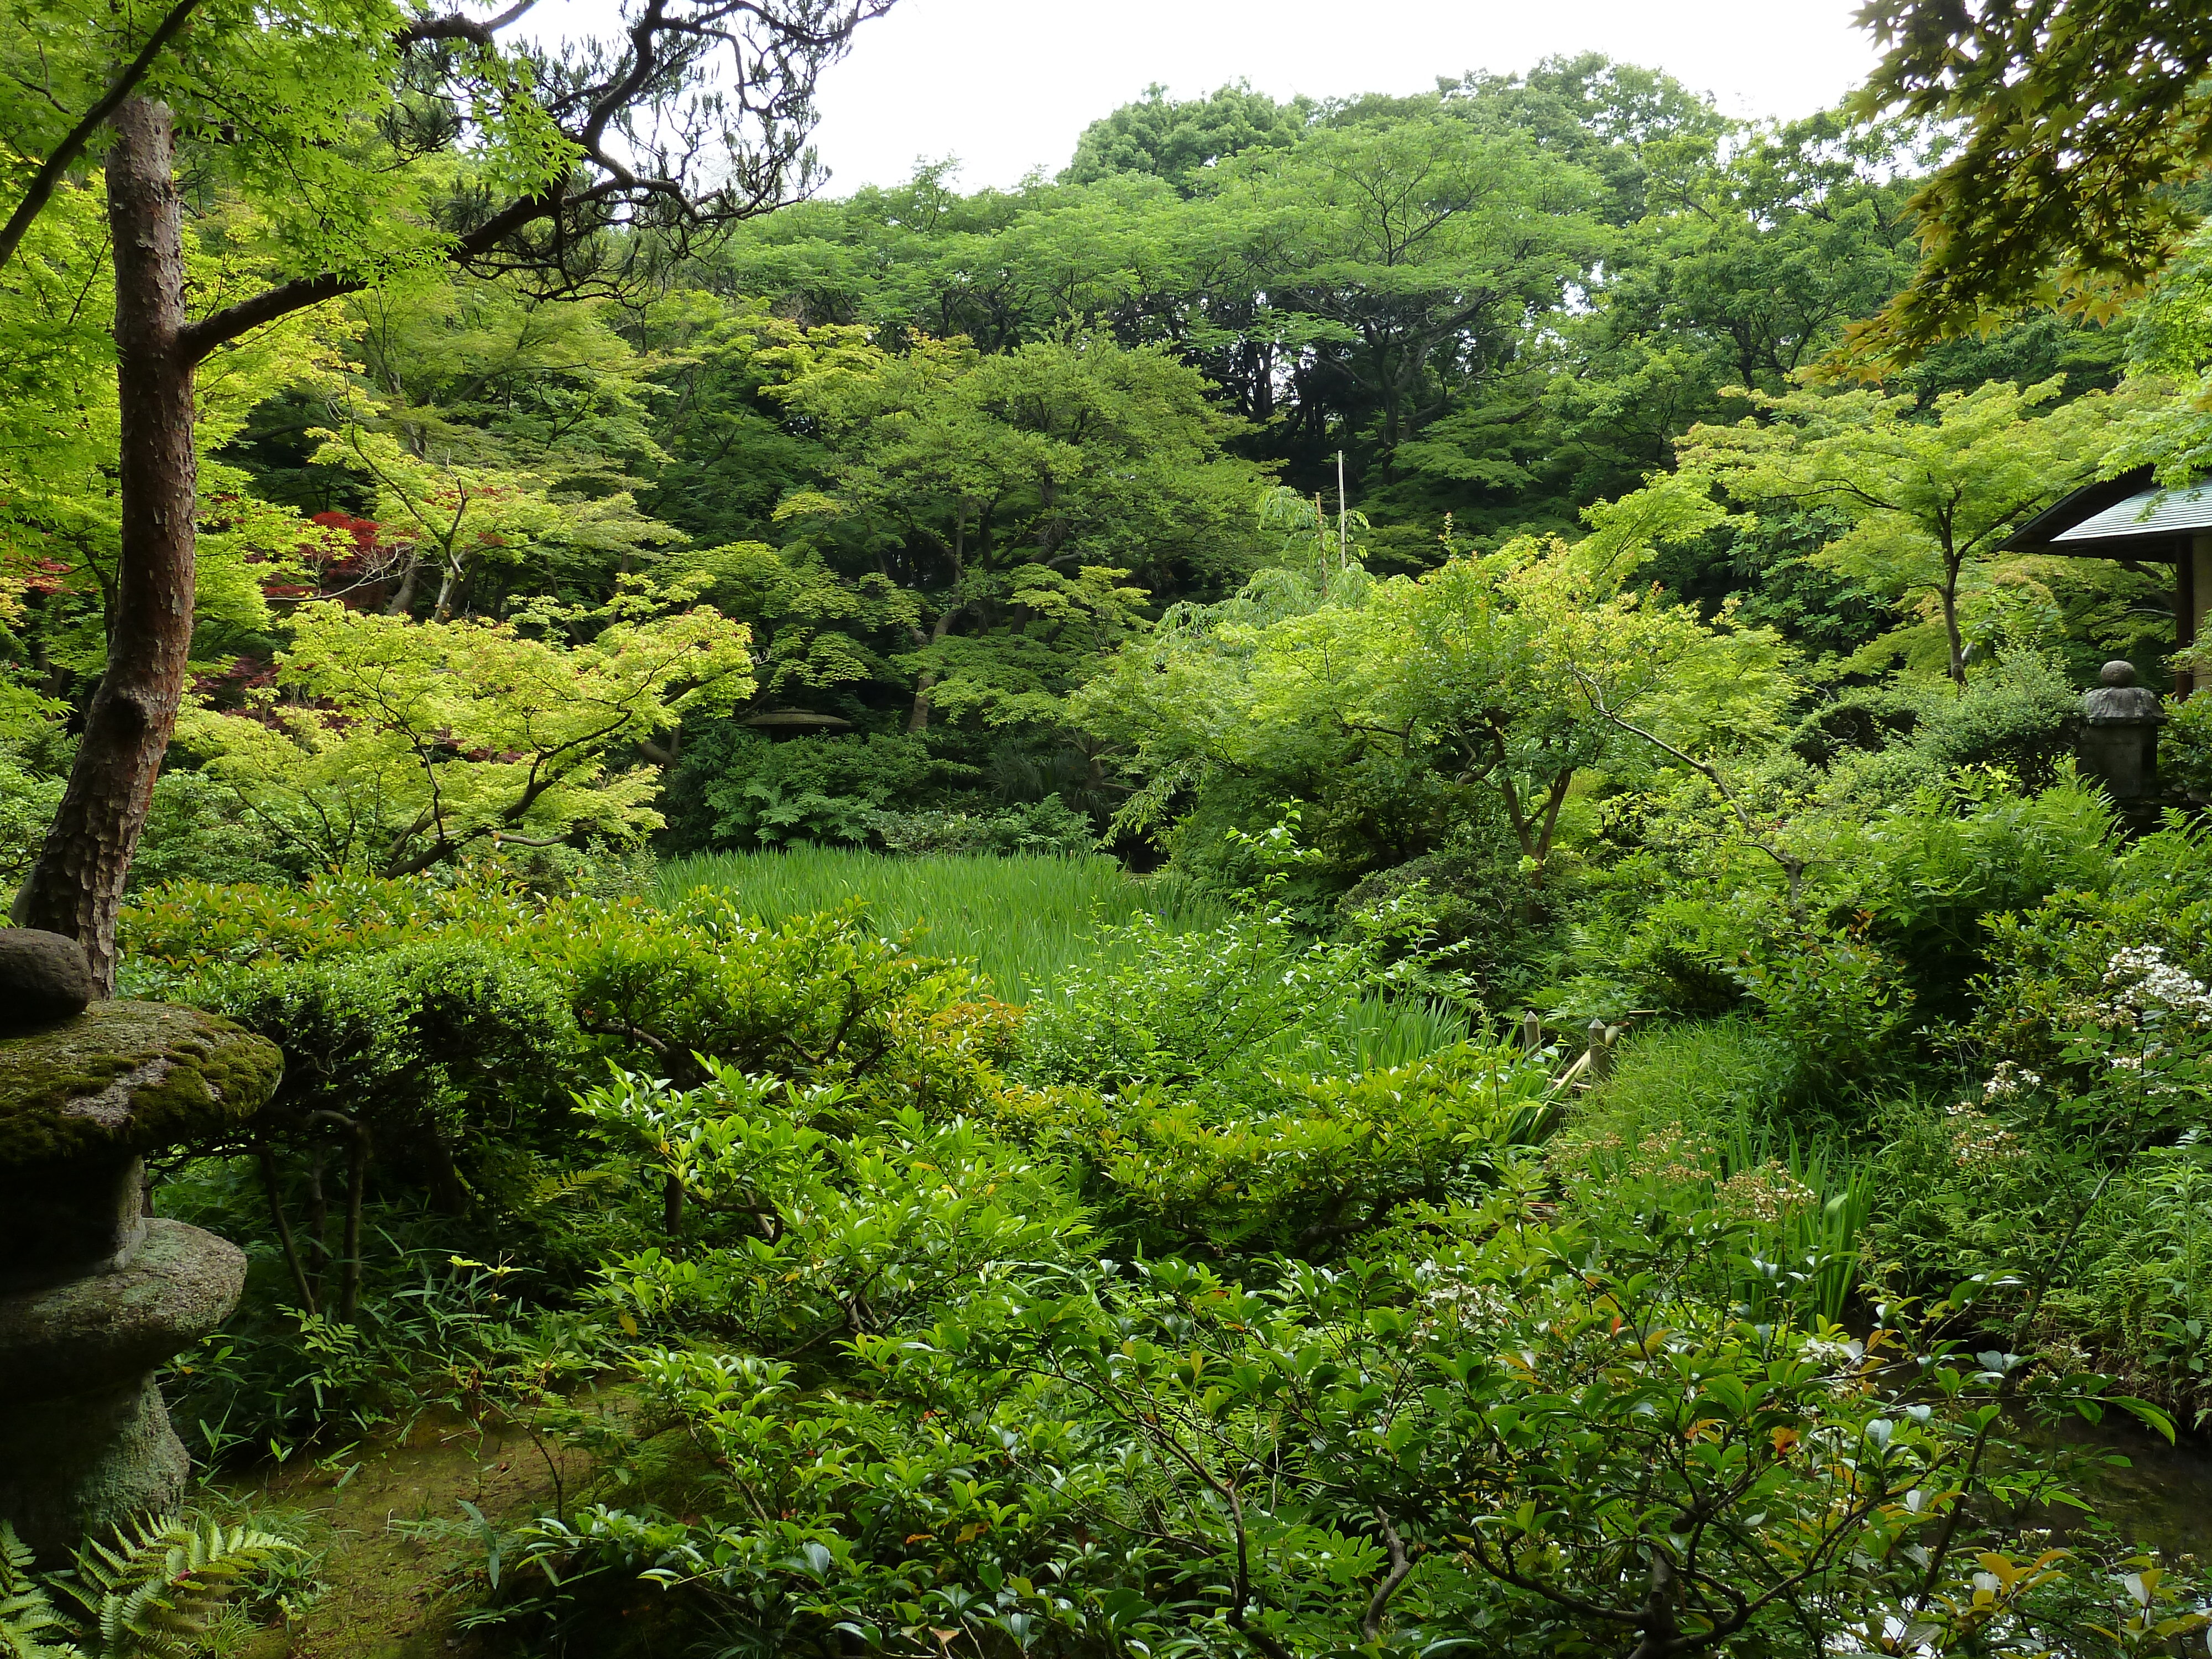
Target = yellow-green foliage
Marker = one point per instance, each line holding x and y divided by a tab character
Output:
822	999
1930	503
1509	677
402	745
1333	1158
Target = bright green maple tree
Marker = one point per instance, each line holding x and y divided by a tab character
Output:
456	520
1516	674
1931	502
396	746
2081	121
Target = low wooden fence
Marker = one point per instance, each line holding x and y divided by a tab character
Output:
1599	1041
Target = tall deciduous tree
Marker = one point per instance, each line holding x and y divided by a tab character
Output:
1413	253
78	883
1930	502
1010	496
392	141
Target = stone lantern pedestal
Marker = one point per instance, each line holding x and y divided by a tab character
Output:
94	1294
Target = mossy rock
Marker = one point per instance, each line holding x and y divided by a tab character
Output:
127	1078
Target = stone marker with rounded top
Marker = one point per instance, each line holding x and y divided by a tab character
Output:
94	1295
2118	744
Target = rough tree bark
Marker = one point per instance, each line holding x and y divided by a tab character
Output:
77	885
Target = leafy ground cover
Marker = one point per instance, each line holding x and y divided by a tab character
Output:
847	1306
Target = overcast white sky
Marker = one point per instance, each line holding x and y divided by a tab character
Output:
1006	85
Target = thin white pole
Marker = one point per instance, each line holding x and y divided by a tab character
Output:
1343	552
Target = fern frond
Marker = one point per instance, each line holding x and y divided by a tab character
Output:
27	1617
155	1590
560	1188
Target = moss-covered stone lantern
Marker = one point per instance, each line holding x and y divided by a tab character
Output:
94	1294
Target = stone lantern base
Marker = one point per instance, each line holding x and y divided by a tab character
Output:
85	1440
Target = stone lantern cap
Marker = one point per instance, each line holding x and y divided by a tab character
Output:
2119	701
127	1078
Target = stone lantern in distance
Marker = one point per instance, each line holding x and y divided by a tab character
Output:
2118	744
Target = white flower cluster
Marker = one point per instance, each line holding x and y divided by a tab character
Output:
2140	980
2010	1080
1452	1300
1831	1353
1979	1140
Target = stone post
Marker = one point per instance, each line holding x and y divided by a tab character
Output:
2118	744
96	1295
1600	1051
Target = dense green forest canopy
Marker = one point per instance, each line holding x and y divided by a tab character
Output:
940	454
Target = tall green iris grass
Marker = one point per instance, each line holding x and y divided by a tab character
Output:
1022	921
1828	1235
1717	1083
1398	1033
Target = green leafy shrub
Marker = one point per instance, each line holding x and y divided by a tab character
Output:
27	801
1325	1160
437	1049
2184	749
1478	905
1214	1014
196	830
2101	993
1046	828
1533	1433
739	789
2067	1154
2144	1292
1928	875
1836	1006
821	998
2018	714
808	1220
1686	955
434	1035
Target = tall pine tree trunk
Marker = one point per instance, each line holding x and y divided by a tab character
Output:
77	885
